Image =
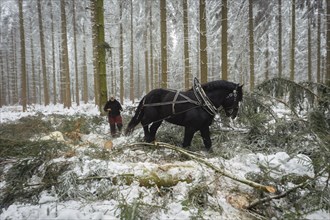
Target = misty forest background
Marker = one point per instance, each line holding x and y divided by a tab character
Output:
81	51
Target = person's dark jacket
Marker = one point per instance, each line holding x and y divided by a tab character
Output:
114	106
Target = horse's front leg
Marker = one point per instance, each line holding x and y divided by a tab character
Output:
205	133
153	129
188	135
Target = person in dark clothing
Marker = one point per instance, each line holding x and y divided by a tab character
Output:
113	107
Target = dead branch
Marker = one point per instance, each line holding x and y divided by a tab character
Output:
270	189
283	194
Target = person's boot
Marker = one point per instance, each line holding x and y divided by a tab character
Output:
113	130
119	128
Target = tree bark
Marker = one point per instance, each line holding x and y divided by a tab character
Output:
203	41
186	45
43	56
65	57
293	41
163	29
75	52
131	78
327	78
279	38
224	40
251	43
121	53
23	62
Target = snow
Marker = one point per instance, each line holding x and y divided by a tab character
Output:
51	207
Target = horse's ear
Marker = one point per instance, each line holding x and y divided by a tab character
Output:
241	86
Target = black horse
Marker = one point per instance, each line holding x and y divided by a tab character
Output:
194	109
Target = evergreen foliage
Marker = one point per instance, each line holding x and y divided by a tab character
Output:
303	128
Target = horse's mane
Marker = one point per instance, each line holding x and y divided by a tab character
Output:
209	86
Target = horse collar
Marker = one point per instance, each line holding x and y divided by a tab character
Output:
203	100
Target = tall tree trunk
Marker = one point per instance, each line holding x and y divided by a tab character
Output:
43	56
318	65
85	84
121	53
151	49
327	77
131	81
279	38
23	64
203	41
75	51
100	45
293	41
95	53
251	42
309	42
53	55
186	45
146	54
33	71
65	57
224	40
267	58
163	42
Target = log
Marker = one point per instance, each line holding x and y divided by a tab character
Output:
259	186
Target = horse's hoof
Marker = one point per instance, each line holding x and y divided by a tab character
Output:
209	150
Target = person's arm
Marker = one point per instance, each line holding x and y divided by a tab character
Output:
120	108
106	107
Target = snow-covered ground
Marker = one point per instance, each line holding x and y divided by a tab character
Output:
227	197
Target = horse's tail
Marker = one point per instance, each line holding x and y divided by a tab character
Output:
136	118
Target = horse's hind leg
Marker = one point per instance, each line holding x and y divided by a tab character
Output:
147	136
205	133
153	129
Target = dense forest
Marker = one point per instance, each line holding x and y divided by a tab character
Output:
81	51
60	60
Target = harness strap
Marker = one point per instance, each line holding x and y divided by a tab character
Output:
178	93
174	100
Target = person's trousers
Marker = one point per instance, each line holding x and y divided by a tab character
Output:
113	120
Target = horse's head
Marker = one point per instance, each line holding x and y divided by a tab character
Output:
231	102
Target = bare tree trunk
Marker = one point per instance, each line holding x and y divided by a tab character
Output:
23	63
151	49
85	84
309	43
146	54
53	55
65	57
279	38
203	41
224	40
186	46
327	77
100	55
121	54
75	52
131	81
293	41
251	42
318	65
43	56
267	58
95	53
163	29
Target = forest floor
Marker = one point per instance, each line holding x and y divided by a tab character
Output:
61	163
